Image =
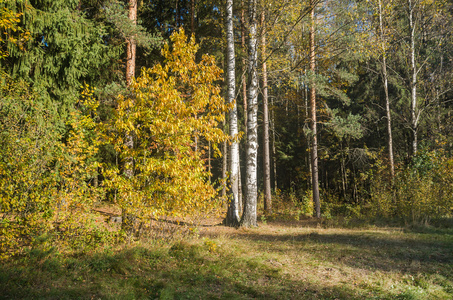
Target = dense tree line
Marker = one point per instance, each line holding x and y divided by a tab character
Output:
344	106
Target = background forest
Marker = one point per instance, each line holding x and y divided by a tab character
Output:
183	110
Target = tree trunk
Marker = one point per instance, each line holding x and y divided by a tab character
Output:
274	155
128	221
240	198
224	164
266	154
131	45
387	100
244	63
249	216
244	98
413	85
314	144
232	218
307	111
209	162
177	14
192	17
130	74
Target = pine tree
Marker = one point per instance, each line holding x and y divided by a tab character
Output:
65	50
131	45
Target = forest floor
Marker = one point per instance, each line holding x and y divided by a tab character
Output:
277	260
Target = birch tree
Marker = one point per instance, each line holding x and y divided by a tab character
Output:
386	89
232	218
383	8
249	216
422	41
415	114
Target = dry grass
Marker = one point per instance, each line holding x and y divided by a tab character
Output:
356	263
278	260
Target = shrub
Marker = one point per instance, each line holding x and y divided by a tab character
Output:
420	192
44	176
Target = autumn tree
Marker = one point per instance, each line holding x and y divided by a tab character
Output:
171	101
419	61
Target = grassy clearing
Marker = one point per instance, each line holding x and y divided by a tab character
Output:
275	261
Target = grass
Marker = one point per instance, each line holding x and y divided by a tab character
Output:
294	260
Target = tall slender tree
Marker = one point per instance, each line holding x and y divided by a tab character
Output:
314	142
128	219
386	89
266	152
232	218
249	216
244	90
244	64
415	113
192	16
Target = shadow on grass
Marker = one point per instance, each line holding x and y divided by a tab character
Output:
402	252
183	271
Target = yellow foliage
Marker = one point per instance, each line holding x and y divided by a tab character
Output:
171	105
76	163
45	184
10	30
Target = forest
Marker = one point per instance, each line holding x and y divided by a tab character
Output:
188	136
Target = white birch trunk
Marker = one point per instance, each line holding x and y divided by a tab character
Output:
232	218
249	216
244	63
413	85
386	90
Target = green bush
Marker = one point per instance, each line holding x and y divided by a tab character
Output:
45	175
420	192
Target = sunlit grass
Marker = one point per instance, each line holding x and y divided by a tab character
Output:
274	261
